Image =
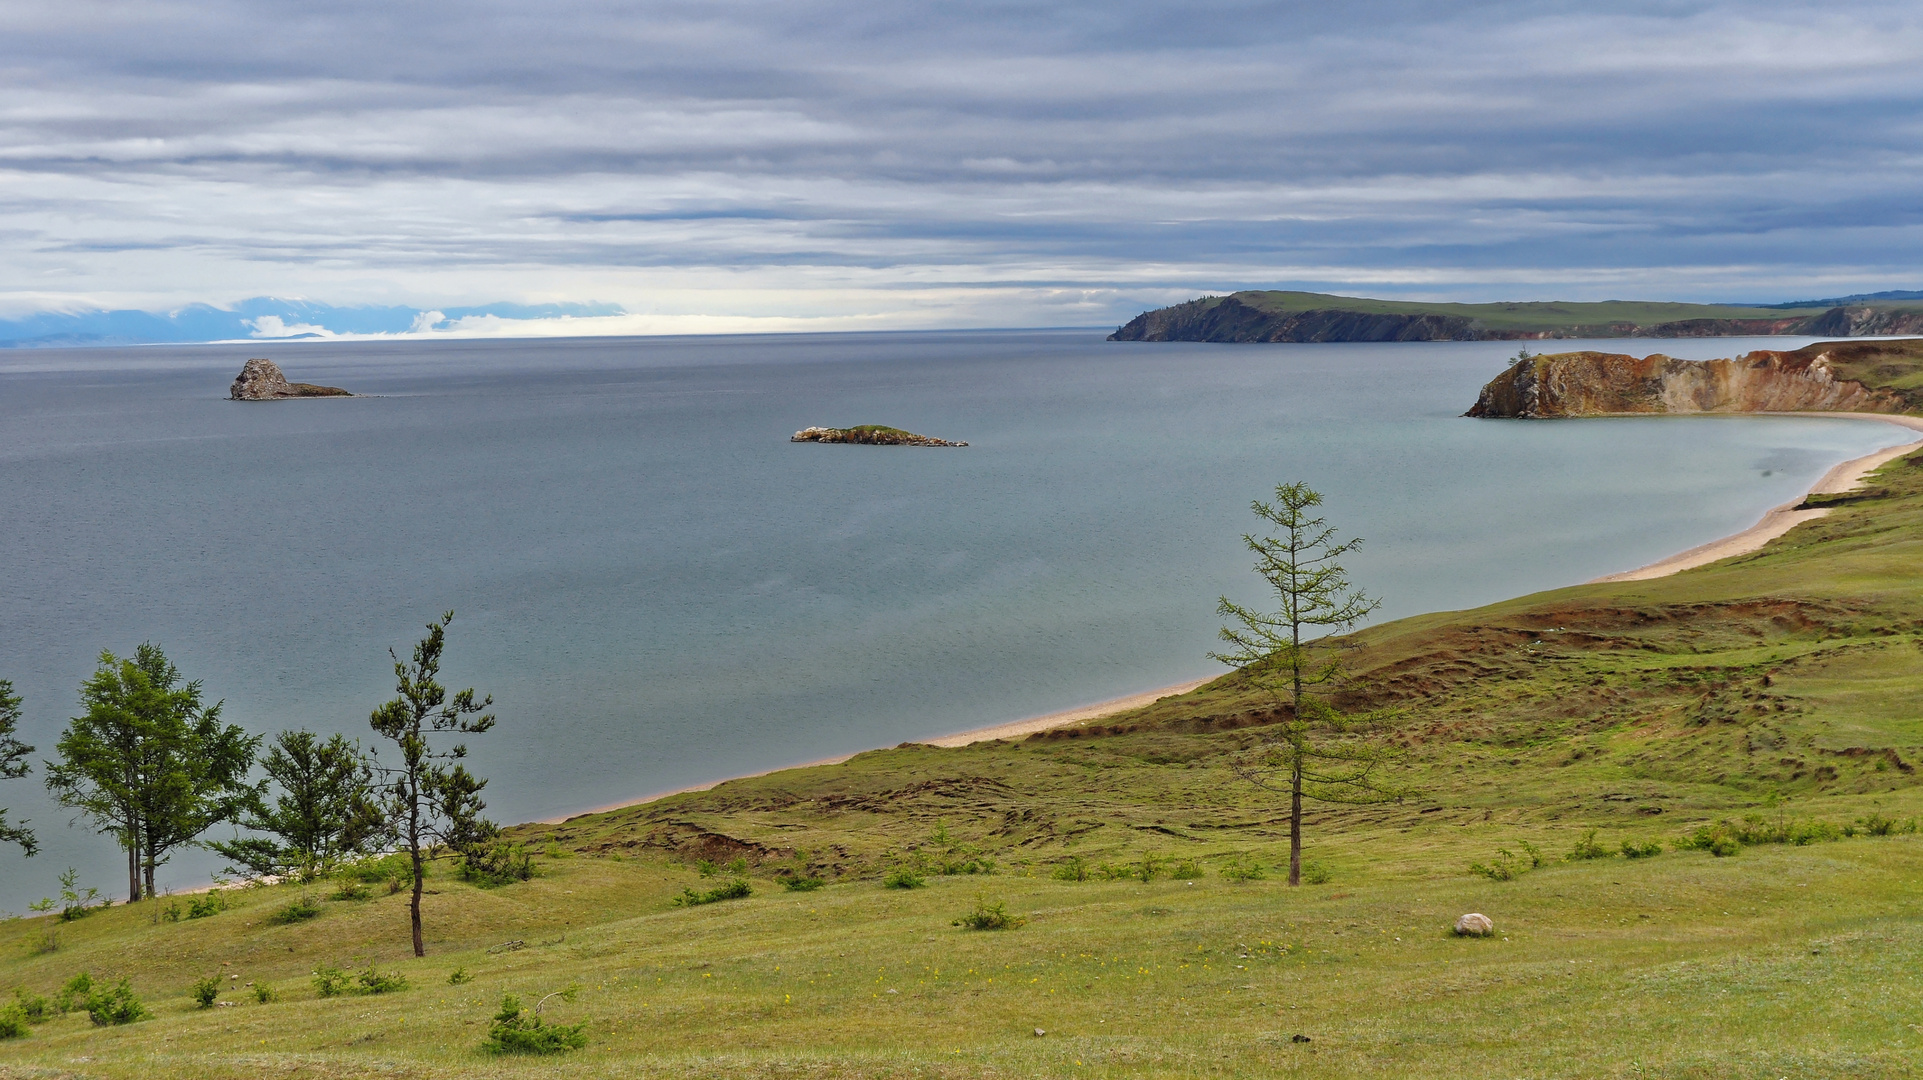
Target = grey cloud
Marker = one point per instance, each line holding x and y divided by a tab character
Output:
1468	144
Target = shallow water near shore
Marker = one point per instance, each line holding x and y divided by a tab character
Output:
659	589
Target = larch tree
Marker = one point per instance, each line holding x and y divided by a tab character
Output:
149	762
13	766
326	810
430	799
1316	751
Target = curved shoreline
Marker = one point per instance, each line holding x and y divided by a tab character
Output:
1845	476
1840	478
1081	714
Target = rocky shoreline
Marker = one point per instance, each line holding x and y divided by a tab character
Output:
261	379
868	435
1828	376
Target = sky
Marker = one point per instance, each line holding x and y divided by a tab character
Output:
799	164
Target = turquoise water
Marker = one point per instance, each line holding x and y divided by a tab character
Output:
659	589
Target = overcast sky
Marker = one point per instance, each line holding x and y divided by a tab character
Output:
799	163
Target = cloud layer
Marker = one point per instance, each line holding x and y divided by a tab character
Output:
926	164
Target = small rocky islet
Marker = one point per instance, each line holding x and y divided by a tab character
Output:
868	435
261	379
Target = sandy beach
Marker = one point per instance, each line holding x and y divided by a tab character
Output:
1844	477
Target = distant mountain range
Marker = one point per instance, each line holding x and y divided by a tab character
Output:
1264	316
262	318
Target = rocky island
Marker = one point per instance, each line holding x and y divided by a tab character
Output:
1829	376
261	380
868	435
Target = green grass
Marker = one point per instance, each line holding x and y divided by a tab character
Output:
1531	315
1755	697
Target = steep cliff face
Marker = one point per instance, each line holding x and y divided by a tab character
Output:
1599	384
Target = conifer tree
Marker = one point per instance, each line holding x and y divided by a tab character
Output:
13	766
326	810
1315	752
429	798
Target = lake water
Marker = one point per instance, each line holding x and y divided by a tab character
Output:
659	589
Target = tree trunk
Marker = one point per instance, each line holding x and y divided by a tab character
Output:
414	849
1295	824
133	869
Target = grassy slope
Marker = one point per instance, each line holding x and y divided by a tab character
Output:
1531	315
1782	683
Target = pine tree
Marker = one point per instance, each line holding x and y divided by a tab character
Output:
1315	752
325	812
429	798
13	766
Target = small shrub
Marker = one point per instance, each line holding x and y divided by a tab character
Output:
1240	871
329	981
171	912
206	991
497	864
1507	865
903	877
1877	825
1314	873
1144	871
75	904
732	890
706	868
1588	848
516	1030
381	982
117	1005
300	910
459	977
987	916
13	1022
801	883
347	888
36	1009
265	993
206	904
74	994
1075	869
1645	850
1185	870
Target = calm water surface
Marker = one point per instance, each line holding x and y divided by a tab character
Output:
659	589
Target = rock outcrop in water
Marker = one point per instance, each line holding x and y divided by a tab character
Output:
1602	384
868	435
261	380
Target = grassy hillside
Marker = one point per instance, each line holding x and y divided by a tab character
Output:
1771	700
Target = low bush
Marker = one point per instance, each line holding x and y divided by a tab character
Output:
13	1022
347	888
206	991
171	912
1507	865
459	977
903	877
206	904
74	994
987	916
1185	870
381	982
116	1005
1588	848
516	1030
329	981
731	890
497	864
1075	869
1644	850
265	993
1314	873
801	883
1726	837
1237	870
300	910
36	1009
